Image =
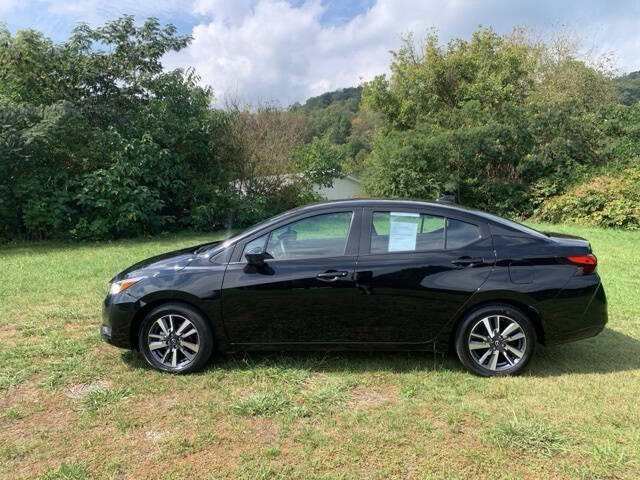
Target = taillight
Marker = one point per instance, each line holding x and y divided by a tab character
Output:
587	262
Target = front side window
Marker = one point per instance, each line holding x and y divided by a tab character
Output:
312	237
406	232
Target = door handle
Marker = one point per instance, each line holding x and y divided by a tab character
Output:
468	261
332	275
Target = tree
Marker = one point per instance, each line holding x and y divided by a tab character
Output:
100	141
486	118
319	162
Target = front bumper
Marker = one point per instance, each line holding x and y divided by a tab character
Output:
118	313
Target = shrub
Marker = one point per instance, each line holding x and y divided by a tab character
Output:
605	200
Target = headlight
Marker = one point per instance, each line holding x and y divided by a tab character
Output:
122	285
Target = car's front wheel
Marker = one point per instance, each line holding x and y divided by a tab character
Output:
175	338
495	340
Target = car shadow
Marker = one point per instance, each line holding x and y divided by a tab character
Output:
609	352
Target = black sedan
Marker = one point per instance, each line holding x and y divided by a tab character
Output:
365	275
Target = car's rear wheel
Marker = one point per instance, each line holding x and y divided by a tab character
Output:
175	338
495	340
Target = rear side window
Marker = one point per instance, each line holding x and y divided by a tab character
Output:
406	232
412	231
461	233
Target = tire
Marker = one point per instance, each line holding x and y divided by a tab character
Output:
175	338
508	349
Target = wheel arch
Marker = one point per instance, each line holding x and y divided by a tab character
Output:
531	313
153	303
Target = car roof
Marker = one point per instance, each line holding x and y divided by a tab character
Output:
385	202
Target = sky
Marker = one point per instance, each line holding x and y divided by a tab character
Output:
285	51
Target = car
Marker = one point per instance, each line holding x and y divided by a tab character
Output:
363	274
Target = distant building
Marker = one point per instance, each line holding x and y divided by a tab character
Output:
347	187
342	188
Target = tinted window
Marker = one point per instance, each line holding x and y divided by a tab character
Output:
514	225
461	233
406	232
320	236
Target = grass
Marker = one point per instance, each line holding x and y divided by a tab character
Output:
529	436
73	407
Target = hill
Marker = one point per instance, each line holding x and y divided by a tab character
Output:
628	88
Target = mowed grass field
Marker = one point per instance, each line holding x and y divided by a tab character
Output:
73	407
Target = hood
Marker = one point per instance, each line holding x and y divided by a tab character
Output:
175	260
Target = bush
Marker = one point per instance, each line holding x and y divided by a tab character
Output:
604	201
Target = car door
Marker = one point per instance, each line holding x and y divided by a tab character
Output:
305	291
415	270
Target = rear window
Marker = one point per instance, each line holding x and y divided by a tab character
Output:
513	225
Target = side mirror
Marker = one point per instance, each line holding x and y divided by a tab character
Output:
255	257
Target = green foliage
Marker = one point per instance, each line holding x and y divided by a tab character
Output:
605	200
320	162
621	130
98	141
336	117
628	88
344	95
502	122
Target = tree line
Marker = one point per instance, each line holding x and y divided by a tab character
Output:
98	141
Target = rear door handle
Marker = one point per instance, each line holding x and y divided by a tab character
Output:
332	275
468	261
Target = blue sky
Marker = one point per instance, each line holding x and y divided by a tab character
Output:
289	50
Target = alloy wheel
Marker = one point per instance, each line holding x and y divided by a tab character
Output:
173	341
497	343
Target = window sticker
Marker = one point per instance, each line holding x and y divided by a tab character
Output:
403	231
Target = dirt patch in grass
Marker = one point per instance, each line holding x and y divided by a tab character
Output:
21	393
11	336
44	421
263	430
365	398
81	390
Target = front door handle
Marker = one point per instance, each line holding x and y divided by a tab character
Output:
332	275
468	261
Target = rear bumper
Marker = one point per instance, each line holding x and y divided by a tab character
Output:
583	314
117	319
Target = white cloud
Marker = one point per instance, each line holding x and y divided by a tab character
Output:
228	11
271	49
7	5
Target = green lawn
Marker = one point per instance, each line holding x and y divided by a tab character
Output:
73	407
